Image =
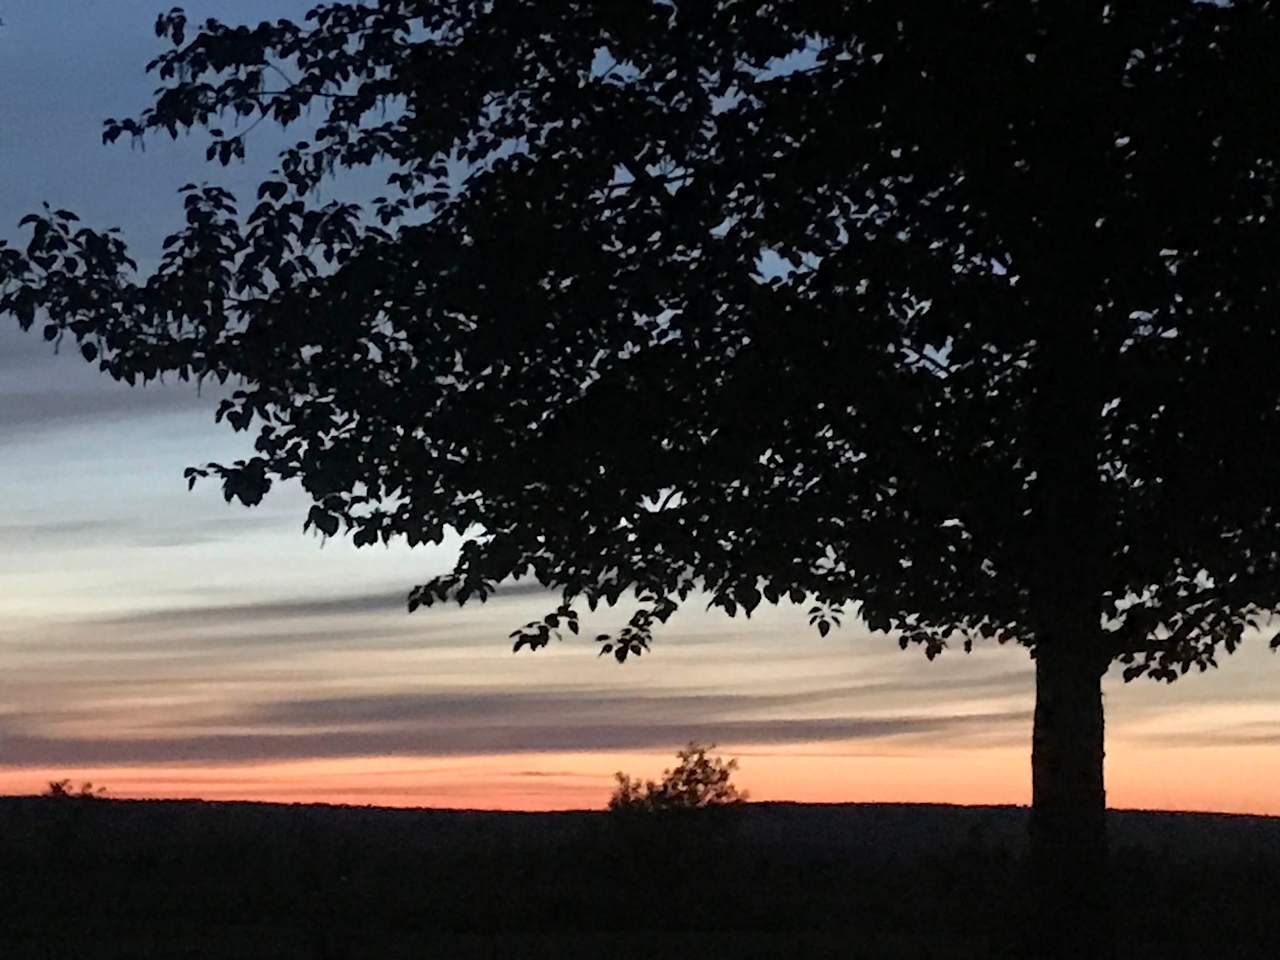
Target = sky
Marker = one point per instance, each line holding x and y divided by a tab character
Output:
164	643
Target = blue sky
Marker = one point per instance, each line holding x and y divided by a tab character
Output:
162	641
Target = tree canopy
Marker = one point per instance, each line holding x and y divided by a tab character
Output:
936	311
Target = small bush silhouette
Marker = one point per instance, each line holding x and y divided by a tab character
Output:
697	782
65	789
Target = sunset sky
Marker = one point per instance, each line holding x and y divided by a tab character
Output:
166	644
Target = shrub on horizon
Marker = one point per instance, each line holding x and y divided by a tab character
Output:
65	790
697	782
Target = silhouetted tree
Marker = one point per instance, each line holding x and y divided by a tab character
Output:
964	314
697	782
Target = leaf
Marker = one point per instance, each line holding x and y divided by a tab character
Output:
273	189
327	523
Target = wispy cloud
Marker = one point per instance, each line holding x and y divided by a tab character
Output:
130	530
208	616
34	411
76	530
355	675
1246	734
484	739
577	706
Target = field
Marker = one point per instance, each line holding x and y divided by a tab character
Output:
185	879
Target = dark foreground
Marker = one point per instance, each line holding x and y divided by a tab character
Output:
89	878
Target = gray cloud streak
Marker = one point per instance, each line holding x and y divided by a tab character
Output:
43	751
1250	734
240	614
34	411
580	705
76	530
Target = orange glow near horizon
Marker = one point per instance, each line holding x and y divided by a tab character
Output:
1225	780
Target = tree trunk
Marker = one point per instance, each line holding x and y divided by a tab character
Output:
1068	830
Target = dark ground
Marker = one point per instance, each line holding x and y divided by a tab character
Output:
106	879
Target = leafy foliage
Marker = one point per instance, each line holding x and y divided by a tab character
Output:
965	316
